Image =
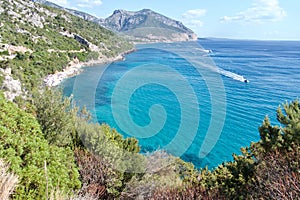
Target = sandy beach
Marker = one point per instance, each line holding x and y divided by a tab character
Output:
75	67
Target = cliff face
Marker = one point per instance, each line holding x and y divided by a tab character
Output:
147	26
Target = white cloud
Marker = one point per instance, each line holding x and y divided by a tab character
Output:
191	14
192	18
260	11
98	2
88	3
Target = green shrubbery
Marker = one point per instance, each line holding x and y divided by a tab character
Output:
64	126
40	166
4	53
56	117
30	68
85	56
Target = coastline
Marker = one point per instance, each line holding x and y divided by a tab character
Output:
75	67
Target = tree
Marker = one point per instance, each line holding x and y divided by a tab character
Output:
57	117
278	156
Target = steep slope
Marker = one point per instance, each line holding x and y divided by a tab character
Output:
37	40
78	13
148	26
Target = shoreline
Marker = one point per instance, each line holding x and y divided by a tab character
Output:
75	67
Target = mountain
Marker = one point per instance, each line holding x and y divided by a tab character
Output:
141	26
37	40
147	26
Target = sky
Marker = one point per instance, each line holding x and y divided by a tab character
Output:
235	19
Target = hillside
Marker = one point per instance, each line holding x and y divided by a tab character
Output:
144	26
78	13
148	26
37	40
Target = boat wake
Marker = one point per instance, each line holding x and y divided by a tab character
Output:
232	75
204	50
222	71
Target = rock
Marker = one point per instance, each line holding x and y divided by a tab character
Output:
148	26
11	87
81	40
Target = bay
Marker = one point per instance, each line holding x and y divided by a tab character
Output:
178	96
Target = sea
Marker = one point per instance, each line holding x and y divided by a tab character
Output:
201	101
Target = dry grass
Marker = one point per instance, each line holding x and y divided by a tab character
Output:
8	181
57	194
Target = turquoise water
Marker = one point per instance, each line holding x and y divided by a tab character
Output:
191	102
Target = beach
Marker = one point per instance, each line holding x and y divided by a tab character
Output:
75	67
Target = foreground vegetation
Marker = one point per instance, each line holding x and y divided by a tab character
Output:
52	146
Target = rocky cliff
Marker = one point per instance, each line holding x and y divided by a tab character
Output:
147	26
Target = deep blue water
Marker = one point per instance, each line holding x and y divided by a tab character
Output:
175	96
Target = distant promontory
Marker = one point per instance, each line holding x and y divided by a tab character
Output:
147	26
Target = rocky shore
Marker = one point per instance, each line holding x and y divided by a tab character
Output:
75	67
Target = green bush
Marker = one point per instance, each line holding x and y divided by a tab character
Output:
4	53
121	154
40	166
107	142
286	137
56	116
63	125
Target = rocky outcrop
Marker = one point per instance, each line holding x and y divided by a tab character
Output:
148	26
81	40
11	87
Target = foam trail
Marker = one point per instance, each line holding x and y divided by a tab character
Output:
222	71
232	75
204	50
